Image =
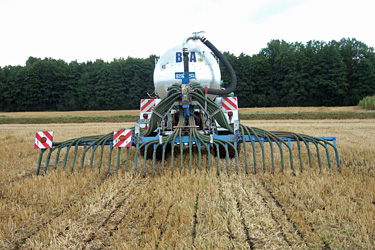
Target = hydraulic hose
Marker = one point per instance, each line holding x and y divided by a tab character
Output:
185	53
227	66
219	55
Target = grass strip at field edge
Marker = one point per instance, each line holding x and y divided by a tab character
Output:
335	115
67	119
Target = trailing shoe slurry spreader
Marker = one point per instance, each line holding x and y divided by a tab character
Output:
190	115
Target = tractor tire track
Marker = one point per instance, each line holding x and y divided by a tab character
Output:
106	204
271	196
16	179
179	221
325	243
225	211
130	216
22	241
261	226
163	226
148	223
6	184
194	231
234	236
266	203
97	239
271	213
309	224
116	224
12	198
249	240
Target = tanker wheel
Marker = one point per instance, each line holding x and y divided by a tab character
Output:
223	153
159	151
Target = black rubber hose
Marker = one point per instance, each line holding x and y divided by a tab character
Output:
227	66
185	53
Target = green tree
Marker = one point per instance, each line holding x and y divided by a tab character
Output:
282	74
359	60
3	88
330	77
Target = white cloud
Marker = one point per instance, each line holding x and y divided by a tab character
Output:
272	8
89	30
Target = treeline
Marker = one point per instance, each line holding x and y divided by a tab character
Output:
337	73
49	84
317	73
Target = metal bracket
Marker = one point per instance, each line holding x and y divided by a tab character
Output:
136	129
196	34
161	139
236	125
186	126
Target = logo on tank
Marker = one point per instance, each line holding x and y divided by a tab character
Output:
192	57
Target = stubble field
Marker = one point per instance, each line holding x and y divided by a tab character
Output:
198	210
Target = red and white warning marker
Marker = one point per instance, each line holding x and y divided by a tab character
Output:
43	139
147	104
230	103
146	111
122	138
230	108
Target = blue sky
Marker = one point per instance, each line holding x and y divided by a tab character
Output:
85	30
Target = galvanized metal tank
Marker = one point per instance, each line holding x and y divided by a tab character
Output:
201	61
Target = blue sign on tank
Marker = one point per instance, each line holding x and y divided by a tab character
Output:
180	75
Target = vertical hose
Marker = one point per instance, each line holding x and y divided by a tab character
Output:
185	53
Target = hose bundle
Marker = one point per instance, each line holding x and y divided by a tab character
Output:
247	136
174	94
